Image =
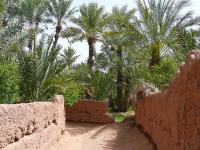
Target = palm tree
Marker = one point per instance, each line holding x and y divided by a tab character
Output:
69	57
159	19
30	12
121	33
10	32
184	41
40	71
61	12
11	10
90	27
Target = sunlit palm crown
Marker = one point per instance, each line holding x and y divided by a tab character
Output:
160	18
89	25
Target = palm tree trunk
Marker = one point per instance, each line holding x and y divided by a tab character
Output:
30	44
120	102
4	22
155	58
91	53
155	53
57	35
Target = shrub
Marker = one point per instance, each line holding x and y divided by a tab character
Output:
9	83
103	85
72	92
161	74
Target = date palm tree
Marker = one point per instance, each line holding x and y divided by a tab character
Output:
159	19
10	31
59	11
90	27
39	69
30	13
121	34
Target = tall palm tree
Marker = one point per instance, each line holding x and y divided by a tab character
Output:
61	11
159	19
121	33
90	27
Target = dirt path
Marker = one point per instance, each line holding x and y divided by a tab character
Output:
123	136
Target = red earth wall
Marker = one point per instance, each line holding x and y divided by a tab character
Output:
31	126
172	117
89	111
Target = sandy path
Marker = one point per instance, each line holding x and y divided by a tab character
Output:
124	136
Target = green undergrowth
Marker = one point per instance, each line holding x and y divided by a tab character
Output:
120	117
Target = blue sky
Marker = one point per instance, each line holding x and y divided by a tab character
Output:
82	47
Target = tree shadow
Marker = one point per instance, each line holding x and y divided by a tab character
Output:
117	136
129	137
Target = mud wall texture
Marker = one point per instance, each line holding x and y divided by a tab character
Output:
172	117
31	126
89	111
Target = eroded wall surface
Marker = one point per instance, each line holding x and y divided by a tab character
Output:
89	111
172	117
31	126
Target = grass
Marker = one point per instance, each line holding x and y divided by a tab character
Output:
119	117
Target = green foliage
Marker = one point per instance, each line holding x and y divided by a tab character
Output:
159	19
60	10
183	42
70	57
160	75
37	68
160	32
63	84
2	6
119	117
9	83
72	92
90	24
103	85
131	109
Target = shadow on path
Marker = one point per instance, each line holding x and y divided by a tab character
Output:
129	137
116	136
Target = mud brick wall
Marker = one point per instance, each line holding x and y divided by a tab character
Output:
89	111
172	117
31	126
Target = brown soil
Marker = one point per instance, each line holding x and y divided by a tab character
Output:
122	136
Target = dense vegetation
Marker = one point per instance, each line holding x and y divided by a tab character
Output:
146	43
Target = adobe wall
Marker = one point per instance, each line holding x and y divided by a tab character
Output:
31	126
89	111
172	117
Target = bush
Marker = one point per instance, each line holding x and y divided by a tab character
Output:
103	84
9	83
161	74
72	92
64	85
